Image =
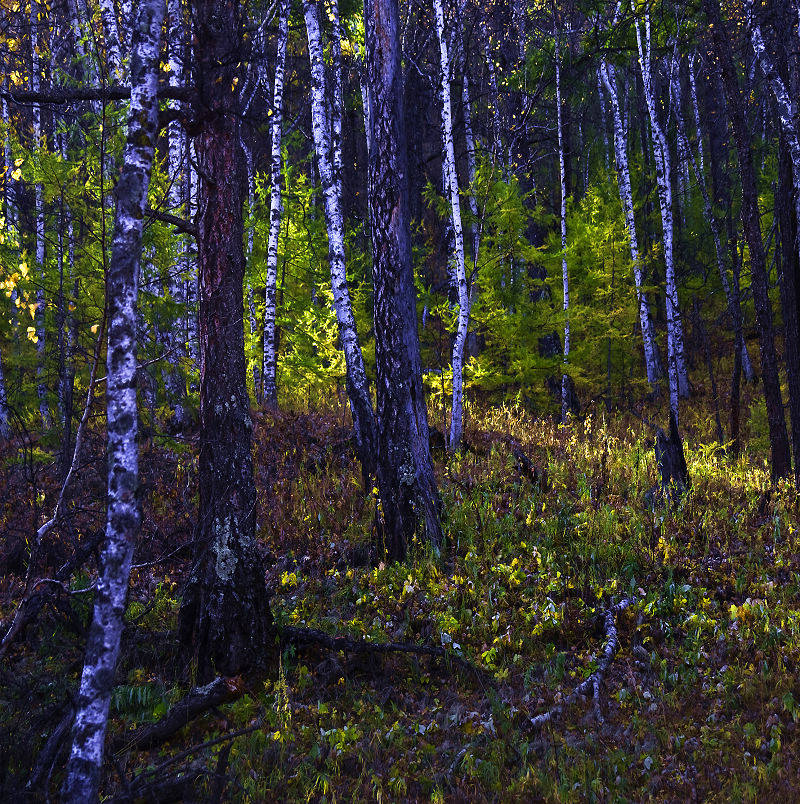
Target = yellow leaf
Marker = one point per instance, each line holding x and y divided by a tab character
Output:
16	174
95	328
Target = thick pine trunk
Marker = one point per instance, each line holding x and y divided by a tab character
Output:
123	515
409	496
275	210
779	440
651	359
225	619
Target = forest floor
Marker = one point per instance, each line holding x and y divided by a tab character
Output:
700	703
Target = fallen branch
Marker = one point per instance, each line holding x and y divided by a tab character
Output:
194	703
311	636
593	682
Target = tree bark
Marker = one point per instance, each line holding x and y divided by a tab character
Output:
565	385
123	515
409	496
651	359
275	211
330	179
779	441
676	359
224	619
452	190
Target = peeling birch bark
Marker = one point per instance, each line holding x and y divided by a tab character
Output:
676	358
452	190
275	210
123	515
563	215
357	386
651	359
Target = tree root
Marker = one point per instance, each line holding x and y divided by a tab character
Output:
593	682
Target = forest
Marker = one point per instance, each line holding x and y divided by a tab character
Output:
399	401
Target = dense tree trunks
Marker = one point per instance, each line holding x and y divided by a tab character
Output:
651	359
676	358
562	173
452	193
123	514
270	390
330	179
734	312
225	618
409	496
779	441
787	203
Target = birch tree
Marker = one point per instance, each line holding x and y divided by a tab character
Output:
651	360
357	386
176	345
563	215
676	359
275	210
409	496
123	514
452	190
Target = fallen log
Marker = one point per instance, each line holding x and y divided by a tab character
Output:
194	703
593	682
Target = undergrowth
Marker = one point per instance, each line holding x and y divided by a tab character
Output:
701	702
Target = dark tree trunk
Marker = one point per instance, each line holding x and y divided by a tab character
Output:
790	274
779	440
409	495
225	618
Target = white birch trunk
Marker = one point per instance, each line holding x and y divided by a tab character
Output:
113	60
564	269
451	189
676	369
275	209
123	515
176	344
191	263
651	361
39	316
358	390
